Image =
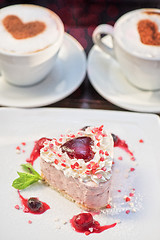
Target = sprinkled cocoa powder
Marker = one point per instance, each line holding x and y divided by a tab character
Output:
148	31
20	30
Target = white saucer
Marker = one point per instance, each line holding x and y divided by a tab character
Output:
106	77
65	78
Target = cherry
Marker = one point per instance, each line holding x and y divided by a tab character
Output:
83	221
79	148
115	138
34	204
121	144
84	128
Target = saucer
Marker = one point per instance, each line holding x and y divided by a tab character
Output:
66	76
107	79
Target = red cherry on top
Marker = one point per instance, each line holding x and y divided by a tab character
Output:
79	148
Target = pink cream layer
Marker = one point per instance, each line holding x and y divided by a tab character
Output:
90	196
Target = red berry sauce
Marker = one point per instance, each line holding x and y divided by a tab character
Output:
36	150
33	205
121	144
84	223
79	148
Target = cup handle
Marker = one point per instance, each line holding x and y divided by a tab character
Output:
96	37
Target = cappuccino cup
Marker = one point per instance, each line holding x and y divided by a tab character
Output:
136	46
30	39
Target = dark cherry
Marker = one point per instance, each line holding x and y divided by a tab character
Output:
79	148
34	204
121	144
84	128
83	221
115	138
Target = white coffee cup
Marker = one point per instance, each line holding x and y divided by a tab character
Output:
140	62
27	58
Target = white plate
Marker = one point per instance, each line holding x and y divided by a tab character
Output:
107	79
28	125
65	78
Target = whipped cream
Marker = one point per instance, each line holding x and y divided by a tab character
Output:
98	169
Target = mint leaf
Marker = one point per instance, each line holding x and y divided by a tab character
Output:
26	179
29	168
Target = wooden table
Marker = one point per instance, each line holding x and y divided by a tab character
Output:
86	97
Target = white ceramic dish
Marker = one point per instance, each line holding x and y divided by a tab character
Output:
65	78
107	79
28	125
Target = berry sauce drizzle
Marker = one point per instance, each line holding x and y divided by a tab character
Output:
33	205
36	150
84	223
121	144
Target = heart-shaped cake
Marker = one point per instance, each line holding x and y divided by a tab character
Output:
149	33
20	30
80	165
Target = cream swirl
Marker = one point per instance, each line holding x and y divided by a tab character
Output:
98	169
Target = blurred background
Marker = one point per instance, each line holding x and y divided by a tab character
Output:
80	17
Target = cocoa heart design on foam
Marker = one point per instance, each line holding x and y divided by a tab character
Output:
20	30
148	32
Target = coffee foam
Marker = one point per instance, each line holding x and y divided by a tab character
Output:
28	13
128	37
